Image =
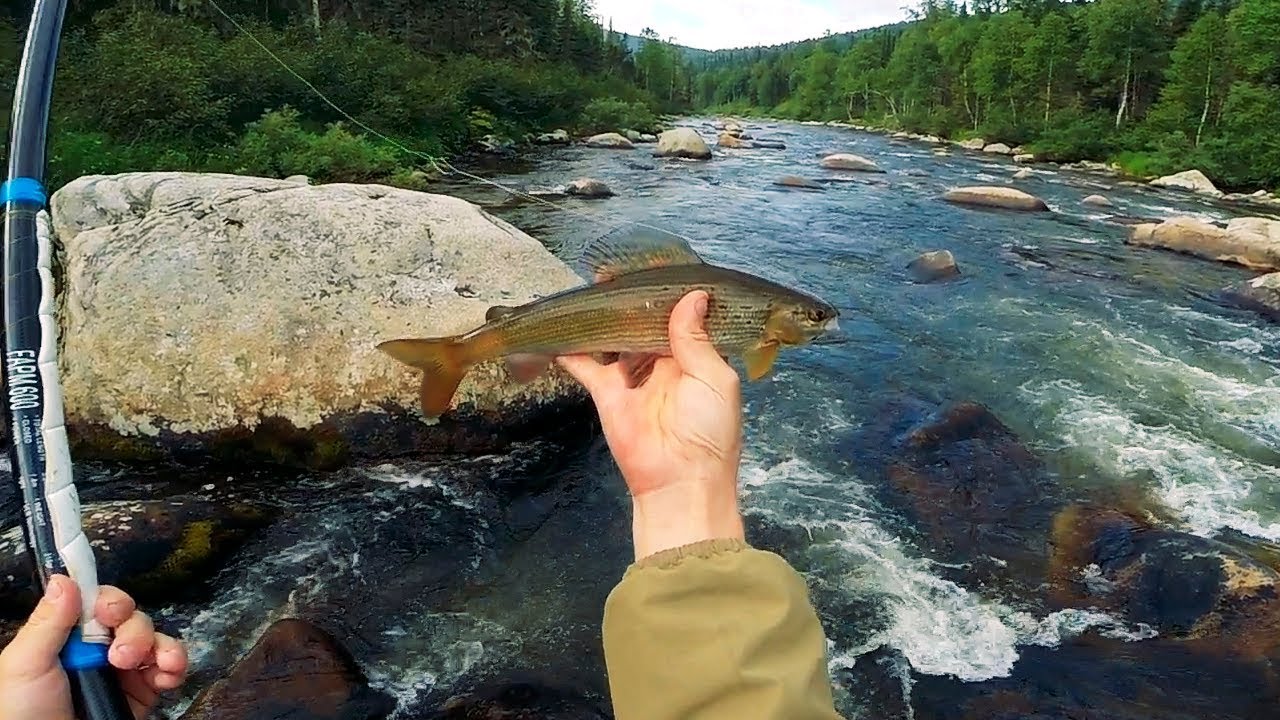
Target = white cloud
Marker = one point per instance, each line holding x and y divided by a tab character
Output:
718	24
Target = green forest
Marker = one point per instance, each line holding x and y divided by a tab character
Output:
1156	86
173	85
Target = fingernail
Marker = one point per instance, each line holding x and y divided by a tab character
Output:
123	652
701	305
54	590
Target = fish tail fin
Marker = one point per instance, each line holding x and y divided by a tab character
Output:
443	362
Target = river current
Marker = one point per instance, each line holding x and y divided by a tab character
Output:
1114	364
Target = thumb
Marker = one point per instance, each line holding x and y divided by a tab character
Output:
35	648
691	345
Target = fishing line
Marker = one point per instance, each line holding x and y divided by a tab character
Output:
441	165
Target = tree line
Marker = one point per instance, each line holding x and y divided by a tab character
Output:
172	85
1154	85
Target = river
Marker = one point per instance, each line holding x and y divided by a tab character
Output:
1114	364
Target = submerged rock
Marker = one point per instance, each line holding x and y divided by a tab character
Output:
1097	201
1192	180
1184	586
522	699
934	266
1024	174
976	493
295	671
727	140
770	144
849	161
795	181
259	304
998	197
589	188
1251	242
611	141
159	551
682	143
1260	294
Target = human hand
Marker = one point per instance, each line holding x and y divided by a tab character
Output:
32	681
677	438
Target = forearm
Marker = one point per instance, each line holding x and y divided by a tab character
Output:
715	629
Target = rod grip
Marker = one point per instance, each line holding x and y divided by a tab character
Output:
95	688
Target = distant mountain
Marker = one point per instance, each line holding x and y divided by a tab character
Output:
697	56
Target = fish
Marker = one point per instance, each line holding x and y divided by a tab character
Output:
638	277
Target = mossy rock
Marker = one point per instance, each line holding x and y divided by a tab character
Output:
159	551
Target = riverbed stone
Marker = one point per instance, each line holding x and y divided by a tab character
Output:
588	188
556	137
1097	201
682	143
849	161
795	181
769	144
159	551
997	197
1250	242
998	148
610	141
522	698
295	671
934	266
1024	158
973	144
230	318
727	140
1192	180
1260	294
1184	586
1024	174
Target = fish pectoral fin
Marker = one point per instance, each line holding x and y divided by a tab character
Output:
628	250
637	367
498	311
443	364
526	367
759	360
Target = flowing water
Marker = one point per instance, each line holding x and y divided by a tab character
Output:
1113	363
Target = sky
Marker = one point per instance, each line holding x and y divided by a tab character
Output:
719	24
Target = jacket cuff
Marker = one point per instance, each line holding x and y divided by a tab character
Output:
702	549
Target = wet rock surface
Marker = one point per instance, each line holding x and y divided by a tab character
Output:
260	347
296	671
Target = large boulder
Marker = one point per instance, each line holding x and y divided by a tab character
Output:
682	142
1251	242
209	317
973	144
159	551
849	161
998	148
1192	180
296	671
997	197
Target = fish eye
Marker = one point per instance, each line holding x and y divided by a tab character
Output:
813	314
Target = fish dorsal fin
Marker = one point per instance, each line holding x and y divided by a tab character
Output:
497	311
627	251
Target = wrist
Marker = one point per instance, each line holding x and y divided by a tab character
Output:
685	513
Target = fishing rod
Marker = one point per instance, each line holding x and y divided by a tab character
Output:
39	456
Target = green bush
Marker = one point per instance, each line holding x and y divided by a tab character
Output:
612	115
277	146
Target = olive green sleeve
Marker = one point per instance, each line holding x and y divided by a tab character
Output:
714	630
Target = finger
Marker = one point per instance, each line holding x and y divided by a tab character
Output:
169	655
593	376
114	606
691	345
35	648
133	642
140	691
